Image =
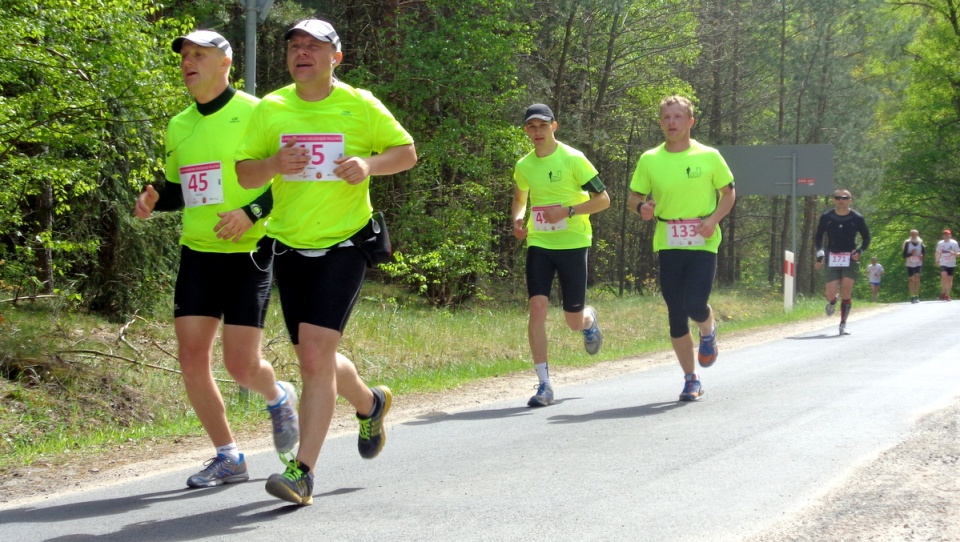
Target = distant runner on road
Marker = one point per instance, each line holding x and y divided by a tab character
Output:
841	226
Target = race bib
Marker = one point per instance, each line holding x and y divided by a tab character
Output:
201	184
948	259
913	261
683	233
540	223
839	259
323	149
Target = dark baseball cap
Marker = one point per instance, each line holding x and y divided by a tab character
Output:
538	111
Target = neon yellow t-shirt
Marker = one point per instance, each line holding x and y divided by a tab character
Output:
320	214
200	153
684	185
556	180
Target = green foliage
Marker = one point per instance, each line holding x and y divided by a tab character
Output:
449	208
446	275
84	96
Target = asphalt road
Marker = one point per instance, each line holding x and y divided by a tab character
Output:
780	424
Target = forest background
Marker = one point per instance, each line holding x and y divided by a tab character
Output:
87	87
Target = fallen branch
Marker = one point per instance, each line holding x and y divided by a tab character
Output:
124	358
133	361
28	298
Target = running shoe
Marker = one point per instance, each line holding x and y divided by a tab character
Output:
692	390
372	433
543	397
707	353
830	309
592	337
843	330
218	471
286	425
294	485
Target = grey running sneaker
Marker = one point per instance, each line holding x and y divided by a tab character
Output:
708	351
592	337
218	471
843	330
286	425
372	433
294	485
692	390
830	309
543	397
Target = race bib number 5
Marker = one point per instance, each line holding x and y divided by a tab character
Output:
839	259
683	233
201	184
323	149
540	223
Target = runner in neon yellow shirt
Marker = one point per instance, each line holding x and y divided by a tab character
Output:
318	142
564	189
217	277
683	177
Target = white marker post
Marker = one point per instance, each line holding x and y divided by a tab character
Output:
789	280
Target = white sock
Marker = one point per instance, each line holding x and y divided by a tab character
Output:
230	451
279	398
543	372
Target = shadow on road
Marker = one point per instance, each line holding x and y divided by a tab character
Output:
491	414
107	507
637	411
225	521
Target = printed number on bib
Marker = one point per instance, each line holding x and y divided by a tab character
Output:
540	222
839	259
913	261
201	184
322	149
683	233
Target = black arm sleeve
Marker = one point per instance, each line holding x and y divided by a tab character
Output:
594	185
864	235
821	229
171	197
260	207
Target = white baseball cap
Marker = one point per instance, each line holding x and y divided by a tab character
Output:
321	30
205	38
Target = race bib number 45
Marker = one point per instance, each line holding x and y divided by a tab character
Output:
839	259
540	223
201	184
322	149
683	233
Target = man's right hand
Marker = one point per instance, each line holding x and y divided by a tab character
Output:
292	159
519	229
646	210
145	203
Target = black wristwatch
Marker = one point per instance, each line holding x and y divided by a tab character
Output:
571	212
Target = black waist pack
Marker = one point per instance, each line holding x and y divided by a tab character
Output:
374	241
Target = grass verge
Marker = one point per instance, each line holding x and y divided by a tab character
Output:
72	384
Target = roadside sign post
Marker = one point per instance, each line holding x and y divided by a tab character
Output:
782	170
789	280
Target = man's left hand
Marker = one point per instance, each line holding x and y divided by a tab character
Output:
352	169
233	224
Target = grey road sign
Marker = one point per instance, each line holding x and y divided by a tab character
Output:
771	170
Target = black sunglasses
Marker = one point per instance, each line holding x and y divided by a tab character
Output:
841	197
